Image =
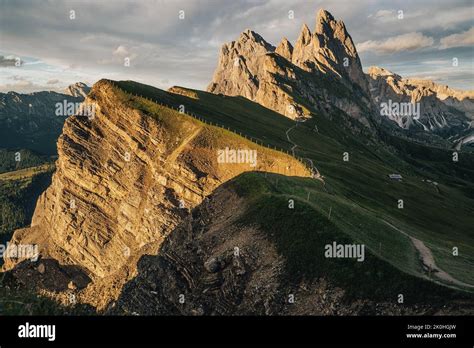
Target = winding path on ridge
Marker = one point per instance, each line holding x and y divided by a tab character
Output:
316	174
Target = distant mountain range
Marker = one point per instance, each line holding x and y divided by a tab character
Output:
30	121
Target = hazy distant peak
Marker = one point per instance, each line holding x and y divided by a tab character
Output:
78	89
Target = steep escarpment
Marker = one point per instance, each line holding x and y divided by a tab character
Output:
125	178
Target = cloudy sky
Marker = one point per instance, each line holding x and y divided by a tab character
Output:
56	43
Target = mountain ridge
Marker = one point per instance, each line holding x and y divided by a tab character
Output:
95	264
124	224
254	70
251	67
95	210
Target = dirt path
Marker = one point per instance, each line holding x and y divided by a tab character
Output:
428	260
291	141
172	157
316	174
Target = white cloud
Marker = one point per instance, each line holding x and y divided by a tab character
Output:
419	16
437	62
405	42
19	84
466	38
383	14
121	51
445	76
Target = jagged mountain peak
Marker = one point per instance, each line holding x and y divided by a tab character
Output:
443	91
324	21
245	68
250	34
285	41
324	15
441	110
285	49
375	72
331	28
251	37
305	31
333	35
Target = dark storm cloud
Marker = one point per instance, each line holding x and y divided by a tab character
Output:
8	61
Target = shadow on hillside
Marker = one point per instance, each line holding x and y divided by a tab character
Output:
46	274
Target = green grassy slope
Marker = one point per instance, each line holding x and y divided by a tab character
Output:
358	192
178	127
237	113
301	234
19	191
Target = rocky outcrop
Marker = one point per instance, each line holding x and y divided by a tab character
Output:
79	89
285	49
241	65
461	100
124	180
330	49
321	72
213	265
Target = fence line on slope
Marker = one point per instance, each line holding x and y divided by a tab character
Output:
215	124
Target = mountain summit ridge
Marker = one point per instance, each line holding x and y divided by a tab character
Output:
322	73
292	80
78	89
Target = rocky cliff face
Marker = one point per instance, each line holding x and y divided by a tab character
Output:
213	265
124	180
330	49
241	63
461	100
321	71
